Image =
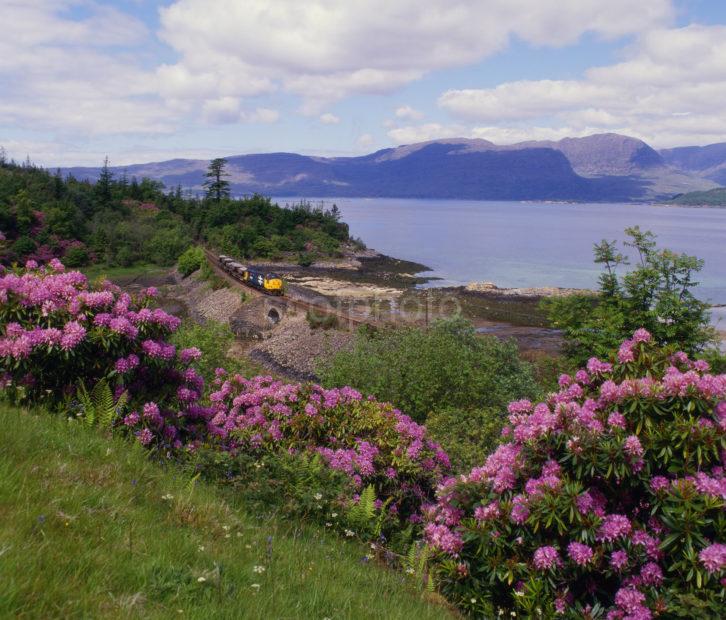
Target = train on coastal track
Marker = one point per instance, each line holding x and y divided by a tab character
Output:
269	283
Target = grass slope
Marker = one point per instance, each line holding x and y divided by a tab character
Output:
90	528
713	197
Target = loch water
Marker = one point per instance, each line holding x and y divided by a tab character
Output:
518	244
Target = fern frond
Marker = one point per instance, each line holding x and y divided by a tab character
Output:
423	559
192	482
430	586
89	414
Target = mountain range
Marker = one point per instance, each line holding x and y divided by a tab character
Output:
601	167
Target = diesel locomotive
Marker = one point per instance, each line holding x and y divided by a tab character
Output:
269	283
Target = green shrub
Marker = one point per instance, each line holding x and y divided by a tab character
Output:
656	295
305	259
317	320
214	340
190	261
125	257
166	245
467	435
209	275
421	370
76	257
23	246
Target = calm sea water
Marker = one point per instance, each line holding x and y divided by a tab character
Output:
529	244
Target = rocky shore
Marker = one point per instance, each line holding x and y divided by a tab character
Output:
543	291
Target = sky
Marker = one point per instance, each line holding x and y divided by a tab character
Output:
147	80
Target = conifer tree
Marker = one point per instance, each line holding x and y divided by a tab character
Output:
216	186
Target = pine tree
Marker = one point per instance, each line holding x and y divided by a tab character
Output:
103	186
215	186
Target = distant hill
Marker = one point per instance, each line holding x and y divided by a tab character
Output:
604	167
706	161
712	198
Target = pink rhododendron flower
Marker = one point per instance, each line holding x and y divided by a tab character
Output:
579	553
713	557
613	527
546	557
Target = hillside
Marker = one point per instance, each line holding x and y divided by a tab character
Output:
605	167
120	222
707	161
92	528
712	198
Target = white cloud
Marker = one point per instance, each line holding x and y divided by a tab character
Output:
365	140
329	119
324	50
428	131
227	110
221	111
266	116
669	90
521	100
76	75
406	112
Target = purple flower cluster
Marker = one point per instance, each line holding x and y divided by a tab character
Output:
713	558
586	472
56	330
368	441
546	557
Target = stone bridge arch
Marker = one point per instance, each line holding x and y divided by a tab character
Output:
258	315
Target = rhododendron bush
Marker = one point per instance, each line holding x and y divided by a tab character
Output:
57	331
371	443
605	501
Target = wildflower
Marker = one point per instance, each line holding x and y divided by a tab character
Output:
629	599
613	526
145	436
579	553
659	483
618	560
256	586
258	569
651	574
632	446
520	512
642	335
201	579
546	558
713	557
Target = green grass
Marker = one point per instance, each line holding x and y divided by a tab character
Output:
90	528
122	273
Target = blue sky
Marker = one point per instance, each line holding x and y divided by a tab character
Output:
141	80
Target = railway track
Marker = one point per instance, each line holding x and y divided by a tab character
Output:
321	308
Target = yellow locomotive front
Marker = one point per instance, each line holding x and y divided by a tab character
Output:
273	284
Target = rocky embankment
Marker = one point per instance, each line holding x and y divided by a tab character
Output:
295	349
